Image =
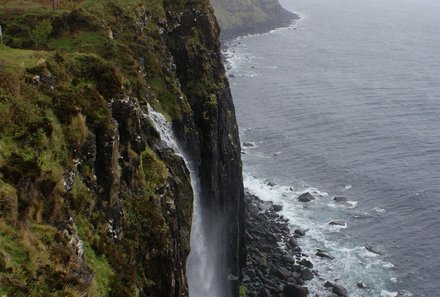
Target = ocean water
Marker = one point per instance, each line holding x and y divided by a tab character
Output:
346	102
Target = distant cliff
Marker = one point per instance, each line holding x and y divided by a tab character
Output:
242	17
91	201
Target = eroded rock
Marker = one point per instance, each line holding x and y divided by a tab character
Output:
306	197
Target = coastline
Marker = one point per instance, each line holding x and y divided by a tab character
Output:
262	282
285	20
276	264
243	31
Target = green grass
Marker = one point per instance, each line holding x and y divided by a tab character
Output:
45	233
54	156
21	58
82	42
153	7
102	272
243	291
10	243
35	7
154	170
43	124
249	13
166	97
24	258
5	150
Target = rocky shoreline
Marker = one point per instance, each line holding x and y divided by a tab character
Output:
275	263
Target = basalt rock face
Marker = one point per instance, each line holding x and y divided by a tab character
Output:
92	202
242	17
201	74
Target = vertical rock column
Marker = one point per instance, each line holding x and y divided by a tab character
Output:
193	39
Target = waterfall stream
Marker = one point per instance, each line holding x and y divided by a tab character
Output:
200	264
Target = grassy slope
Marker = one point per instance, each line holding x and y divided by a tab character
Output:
240	17
58	73
234	13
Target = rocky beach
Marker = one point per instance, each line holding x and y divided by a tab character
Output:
276	265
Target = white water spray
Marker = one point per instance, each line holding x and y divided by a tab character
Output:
200	265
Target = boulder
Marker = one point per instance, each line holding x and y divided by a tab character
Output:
288	259
361	285
267	281
324	255
292	242
340	199
307	274
282	273
277	207
306	197
272	289
300	232
295	291
337	223
306	263
297	251
336	289
339	290
264	293
373	250
263	262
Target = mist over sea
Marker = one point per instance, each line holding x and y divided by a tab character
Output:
346	102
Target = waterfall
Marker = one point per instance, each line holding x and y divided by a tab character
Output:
201	264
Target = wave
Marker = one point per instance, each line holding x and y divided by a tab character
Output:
352	263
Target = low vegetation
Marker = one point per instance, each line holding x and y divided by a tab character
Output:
60	72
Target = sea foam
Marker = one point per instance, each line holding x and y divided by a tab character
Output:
352	263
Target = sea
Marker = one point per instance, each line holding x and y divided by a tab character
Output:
346	103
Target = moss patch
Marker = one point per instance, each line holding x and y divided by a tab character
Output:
243	291
102	272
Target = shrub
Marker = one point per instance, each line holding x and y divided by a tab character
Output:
41	33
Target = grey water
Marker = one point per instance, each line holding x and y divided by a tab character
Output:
346	102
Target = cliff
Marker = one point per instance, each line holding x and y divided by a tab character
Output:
242	17
92	203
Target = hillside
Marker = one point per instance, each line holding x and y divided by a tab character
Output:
242	17
92	202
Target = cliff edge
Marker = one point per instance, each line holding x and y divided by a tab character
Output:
243	17
92	203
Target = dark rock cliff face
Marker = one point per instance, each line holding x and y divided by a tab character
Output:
92	201
201	73
243	17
